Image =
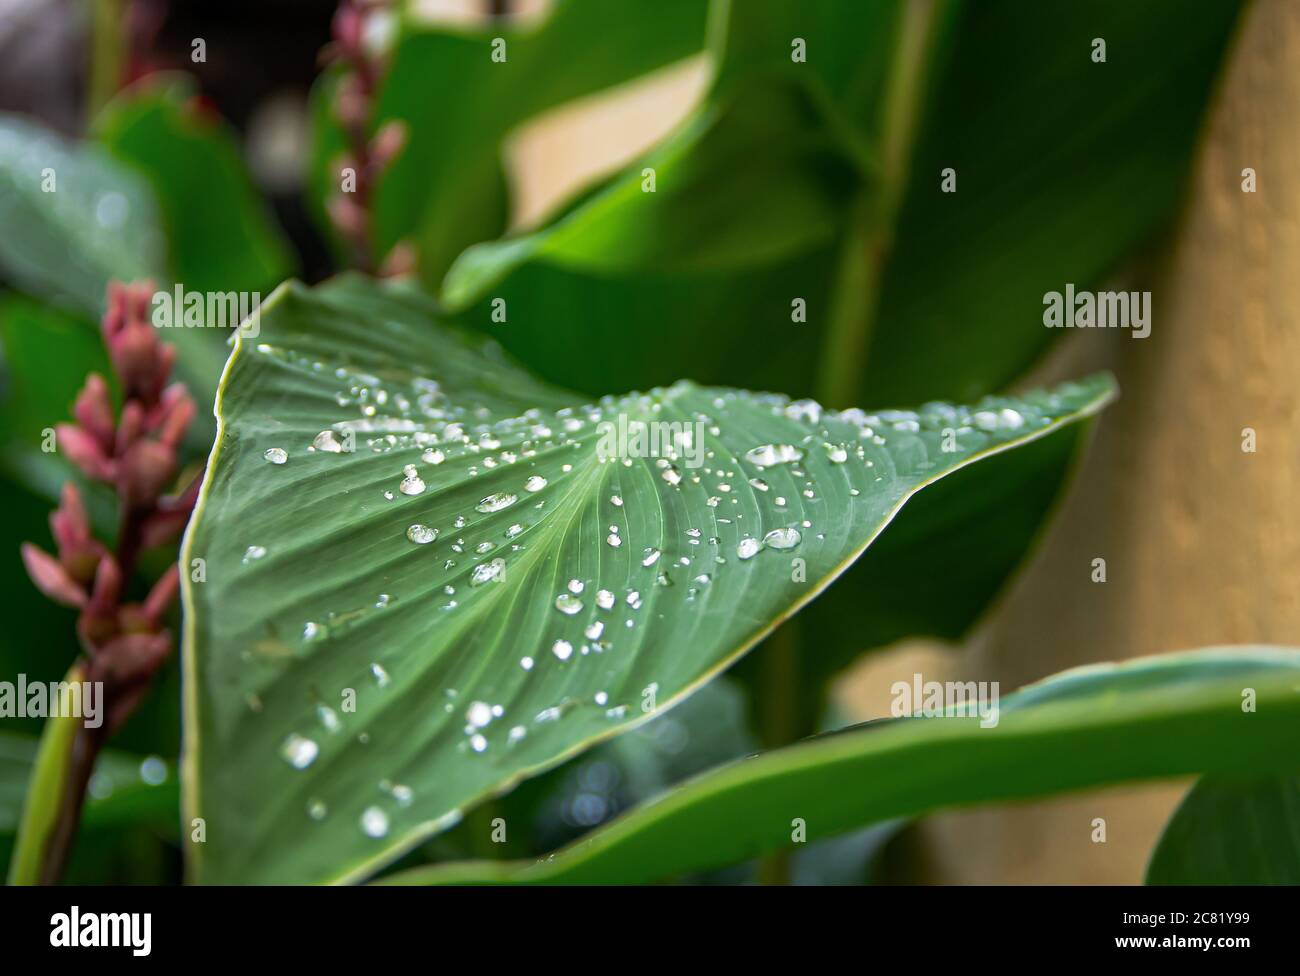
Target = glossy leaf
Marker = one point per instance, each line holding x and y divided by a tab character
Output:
1232	830
1152	717
74	218
562	599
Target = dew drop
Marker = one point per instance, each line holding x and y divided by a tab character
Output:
421	535
496	501
535	483
605	599
487	572
748	548
568	604
276	455
562	649
254	552
782	539
327	442
412	484
767	455
433	456
374	822
299	752
478	714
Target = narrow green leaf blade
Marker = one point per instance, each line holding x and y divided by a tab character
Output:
1152	717
43	797
1232	830
563	598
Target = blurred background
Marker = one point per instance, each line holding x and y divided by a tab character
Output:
1200	538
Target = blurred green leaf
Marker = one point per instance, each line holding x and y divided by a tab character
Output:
221	235
127	795
124	788
357	603
746	184
1151	717
1063	167
1230	830
447	190
74	218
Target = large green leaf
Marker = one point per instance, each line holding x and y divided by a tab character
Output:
314	585
1232	830
1153	717
222	237
446	190
98	222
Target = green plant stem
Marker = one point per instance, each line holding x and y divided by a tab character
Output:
107	52
43	817
870	235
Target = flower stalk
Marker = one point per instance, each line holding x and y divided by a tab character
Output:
123	643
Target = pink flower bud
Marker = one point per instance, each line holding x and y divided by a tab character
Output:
141	361
144	473
170	517
401	260
351	104
84	452
78	551
161	596
348	26
387	143
51	578
94	411
175	412
348	216
132	427
98	621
